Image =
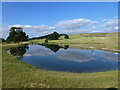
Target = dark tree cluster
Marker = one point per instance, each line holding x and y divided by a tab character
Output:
2	40
18	51
17	35
66	37
52	36
46	40
54	48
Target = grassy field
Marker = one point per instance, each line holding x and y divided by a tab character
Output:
104	41
17	74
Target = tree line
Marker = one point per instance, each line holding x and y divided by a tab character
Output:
52	36
17	35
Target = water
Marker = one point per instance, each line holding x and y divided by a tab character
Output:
57	58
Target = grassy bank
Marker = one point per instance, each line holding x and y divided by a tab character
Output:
17	74
104	41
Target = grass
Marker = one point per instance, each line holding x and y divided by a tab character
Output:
104	41
17	74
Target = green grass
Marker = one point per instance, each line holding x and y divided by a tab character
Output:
104	41
17	74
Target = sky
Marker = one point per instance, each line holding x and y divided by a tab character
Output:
41	18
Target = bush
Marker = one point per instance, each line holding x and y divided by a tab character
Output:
2	40
66	37
53	36
46	40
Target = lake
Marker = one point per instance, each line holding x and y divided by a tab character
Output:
65	58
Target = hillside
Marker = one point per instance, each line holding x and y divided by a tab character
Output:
52	36
114	34
104	41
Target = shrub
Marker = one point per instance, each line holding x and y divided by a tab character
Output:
2	40
46	40
66	37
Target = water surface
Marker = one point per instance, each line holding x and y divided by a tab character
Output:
65	58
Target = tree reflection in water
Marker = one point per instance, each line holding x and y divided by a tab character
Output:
54	48
19	51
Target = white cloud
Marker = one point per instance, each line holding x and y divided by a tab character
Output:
37	28
111	24
31	30
94	27
15	25
116	28
28	26
74	24
43	27
78	31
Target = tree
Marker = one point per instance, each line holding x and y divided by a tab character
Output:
16	35
53	36
66	47
19	51
53	47
46	40
66	37
2	40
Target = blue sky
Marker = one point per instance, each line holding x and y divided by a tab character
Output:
40	18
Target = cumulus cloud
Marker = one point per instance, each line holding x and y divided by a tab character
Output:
28	26
37	28
81	30
74	24
111	24
31	30
94	27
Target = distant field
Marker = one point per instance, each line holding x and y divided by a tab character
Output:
104	41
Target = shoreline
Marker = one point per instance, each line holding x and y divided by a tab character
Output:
15	45
71	45
94	48
50	79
